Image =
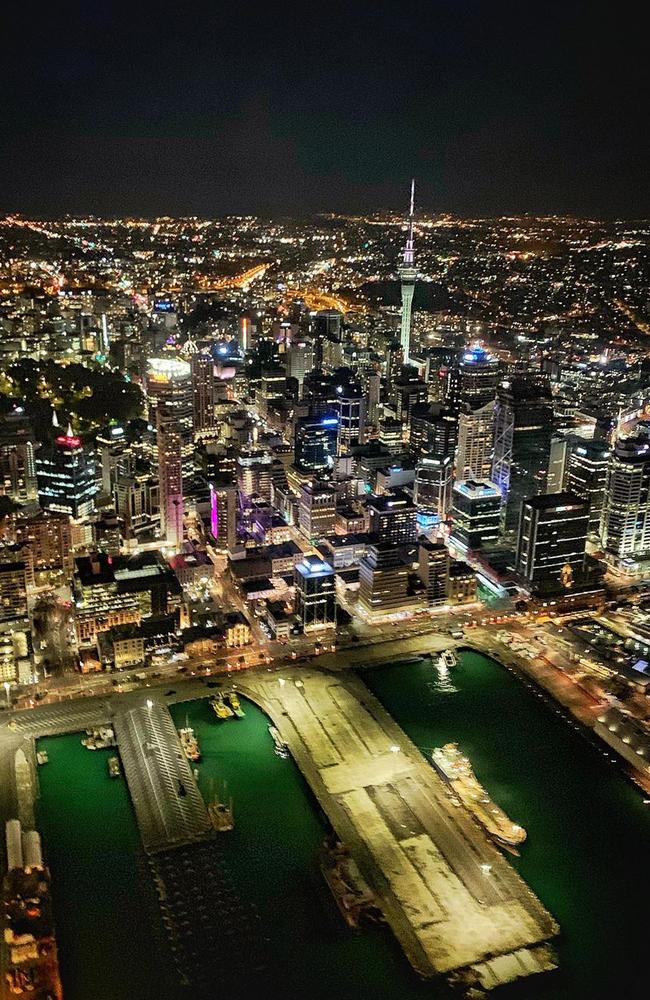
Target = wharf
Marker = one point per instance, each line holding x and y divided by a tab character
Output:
157	770
452	900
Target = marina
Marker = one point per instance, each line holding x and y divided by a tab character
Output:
536	768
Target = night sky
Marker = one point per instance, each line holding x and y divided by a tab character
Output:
273	108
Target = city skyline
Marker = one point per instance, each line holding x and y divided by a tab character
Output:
324	501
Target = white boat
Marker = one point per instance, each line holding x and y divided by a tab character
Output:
447	659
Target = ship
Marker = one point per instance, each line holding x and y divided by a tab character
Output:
447	659
457	771
189	743
351	892
114	769
220	709
281	748
99	739
235	704
220	813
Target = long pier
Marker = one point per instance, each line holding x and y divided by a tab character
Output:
450	896
168	805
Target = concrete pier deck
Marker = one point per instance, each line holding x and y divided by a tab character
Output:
155	769
449	895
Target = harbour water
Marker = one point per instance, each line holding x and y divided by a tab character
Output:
585	857
109	931
588	829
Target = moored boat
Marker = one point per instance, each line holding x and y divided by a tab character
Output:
235	704
189	743
114	769
220	709
457	771
281	748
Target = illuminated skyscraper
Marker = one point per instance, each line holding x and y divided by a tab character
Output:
473	381
66	477
625	520
203	392
552	539
170	380
523	426
170	473
315	442
475	431
476	513
407	275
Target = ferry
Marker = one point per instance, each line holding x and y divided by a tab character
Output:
99	739
447	659
457	771
281	748
114	769
189	743
220	709
235	704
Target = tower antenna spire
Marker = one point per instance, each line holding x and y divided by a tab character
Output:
409	251
408	273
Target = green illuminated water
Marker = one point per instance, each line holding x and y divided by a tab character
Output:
273	854
585	856
111	943
588	830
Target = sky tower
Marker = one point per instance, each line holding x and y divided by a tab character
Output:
407	274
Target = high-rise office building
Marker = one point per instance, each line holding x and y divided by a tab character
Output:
476	513
392	516
254	472
203	395
13	591
315	442
65	475
383	580
407	276
473	380
315	593
298	360
552	539
433	429
587	476
433	570
317	509
475	443
170	474
17	463
407	392
170	380
223	515
523	427
625	520
557	463
432	490
351	406
46	546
